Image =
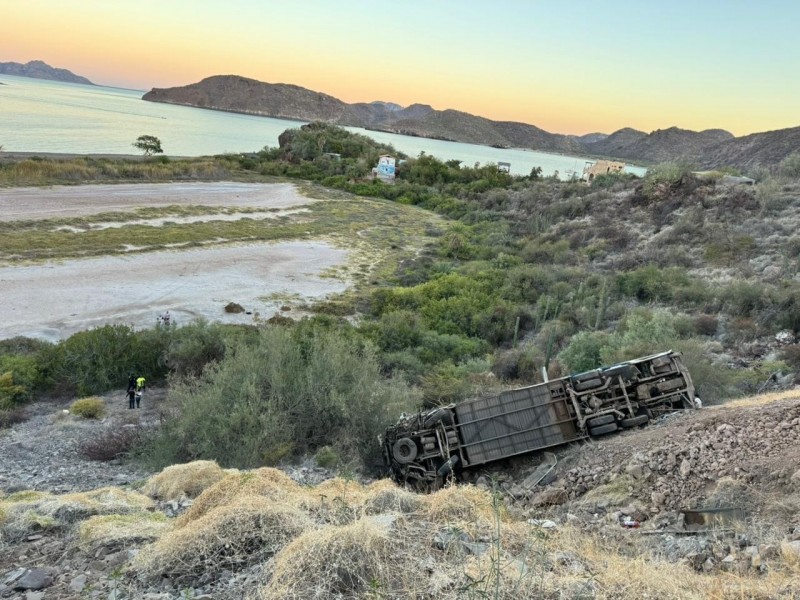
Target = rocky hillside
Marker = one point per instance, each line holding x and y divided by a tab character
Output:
240	94
758	149
659	146
712	148
38	69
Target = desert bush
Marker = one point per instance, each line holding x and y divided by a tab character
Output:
742	298
88	408
327	458
100	359
651	283
584	351
641	333
291	391
111	443
19	375
706	325
245	532
769	194
713	382
791	356
195	345
447	383
790	166
662	179
189	479
756	378
12	416
518	364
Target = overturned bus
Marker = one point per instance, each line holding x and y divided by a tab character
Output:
424	447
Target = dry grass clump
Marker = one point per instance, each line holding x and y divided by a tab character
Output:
461	504
242	532
761	399
359	560
267	482
122	531
189	480
386	497
27	512
612	573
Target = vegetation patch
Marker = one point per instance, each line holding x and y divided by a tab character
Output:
243	532
88	408
117	532
185	480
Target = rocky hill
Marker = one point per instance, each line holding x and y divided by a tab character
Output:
240	94
660	145
708	149
758	149
38	69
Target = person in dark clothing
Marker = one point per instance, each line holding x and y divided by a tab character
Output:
131	382
131	397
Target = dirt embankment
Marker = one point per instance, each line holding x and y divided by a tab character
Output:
613	524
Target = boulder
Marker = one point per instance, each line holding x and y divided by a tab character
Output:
35	579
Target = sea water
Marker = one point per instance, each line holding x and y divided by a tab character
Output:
48	116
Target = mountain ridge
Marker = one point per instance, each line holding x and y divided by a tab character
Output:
38	69
710	148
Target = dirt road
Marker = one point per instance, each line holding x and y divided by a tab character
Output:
52	300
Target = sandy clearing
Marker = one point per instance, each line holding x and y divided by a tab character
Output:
53	301
61	201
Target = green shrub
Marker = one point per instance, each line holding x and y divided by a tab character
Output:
11	393
651	283
662	179
584	351
713	382
195	345
292	390
327	458
100	359
88	408
790	166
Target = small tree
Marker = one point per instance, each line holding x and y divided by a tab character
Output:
149	144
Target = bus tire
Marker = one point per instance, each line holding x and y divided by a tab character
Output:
404	451
597	421
603	429
635	421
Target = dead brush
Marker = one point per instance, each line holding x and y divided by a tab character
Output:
116	532
189	480
268	483
359	560
244	532
111	443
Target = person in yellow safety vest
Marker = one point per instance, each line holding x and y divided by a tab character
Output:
139	389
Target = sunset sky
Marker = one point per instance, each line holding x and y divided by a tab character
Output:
571	66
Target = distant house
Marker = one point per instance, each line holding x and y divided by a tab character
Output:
385	171
601	167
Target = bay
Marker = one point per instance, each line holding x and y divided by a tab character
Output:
55	117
